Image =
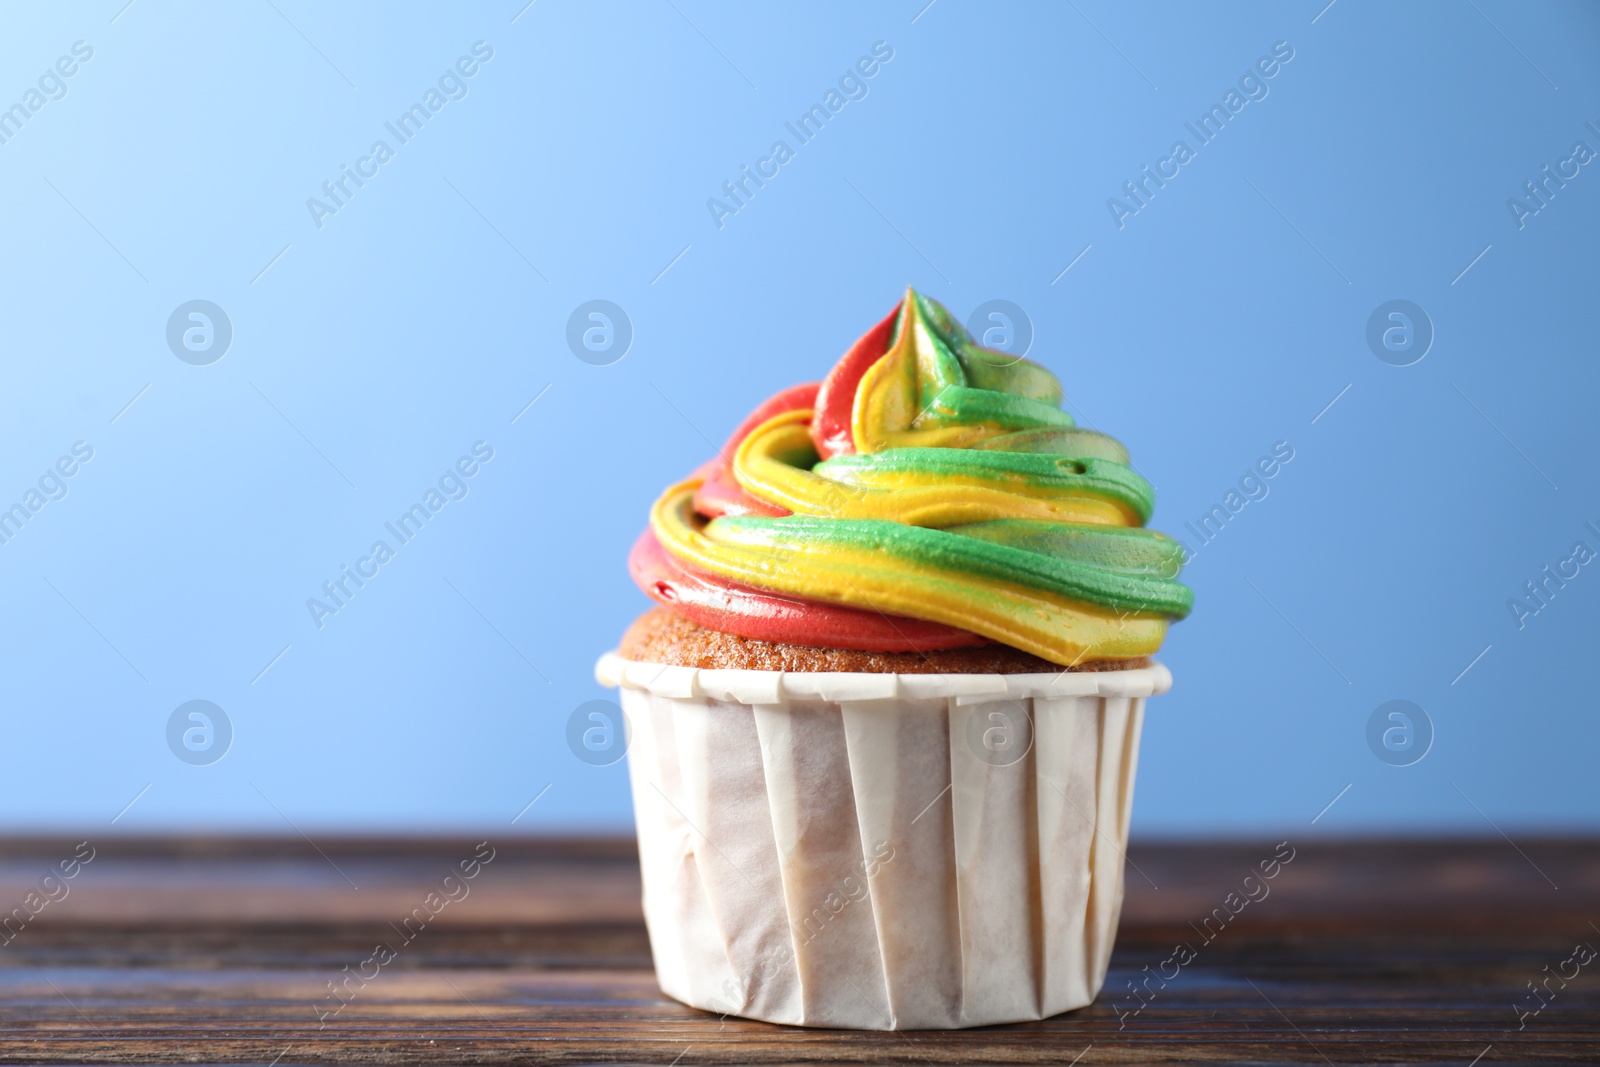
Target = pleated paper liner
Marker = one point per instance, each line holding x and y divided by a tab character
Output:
879	851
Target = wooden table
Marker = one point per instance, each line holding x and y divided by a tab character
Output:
223	951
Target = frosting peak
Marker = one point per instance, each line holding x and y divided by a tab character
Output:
930	493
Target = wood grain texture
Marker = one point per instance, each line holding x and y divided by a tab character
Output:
222	951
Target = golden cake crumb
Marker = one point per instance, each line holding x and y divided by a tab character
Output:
661	635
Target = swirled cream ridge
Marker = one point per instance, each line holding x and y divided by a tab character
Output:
930	493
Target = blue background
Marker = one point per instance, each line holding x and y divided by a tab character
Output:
369	353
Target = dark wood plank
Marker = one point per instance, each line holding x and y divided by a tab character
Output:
220	951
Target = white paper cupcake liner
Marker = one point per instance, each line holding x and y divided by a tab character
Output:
880	851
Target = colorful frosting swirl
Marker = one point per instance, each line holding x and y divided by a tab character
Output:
929	494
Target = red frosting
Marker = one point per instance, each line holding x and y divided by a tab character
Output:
835	401
721	494
730	607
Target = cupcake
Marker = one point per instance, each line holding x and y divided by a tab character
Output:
885	717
